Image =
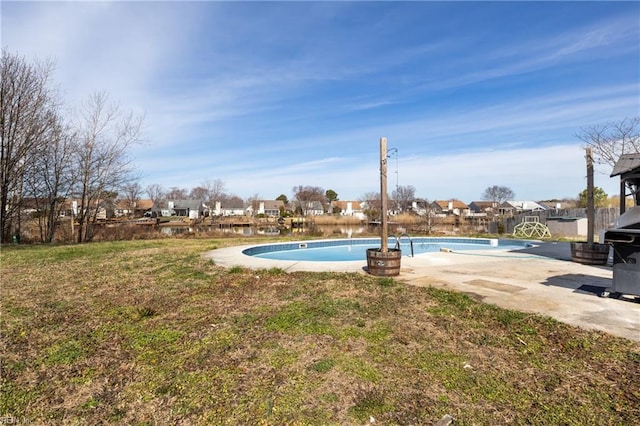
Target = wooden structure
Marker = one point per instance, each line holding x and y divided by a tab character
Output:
383	261
628	168
625	237
590	253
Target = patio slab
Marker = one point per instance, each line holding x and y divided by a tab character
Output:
538	280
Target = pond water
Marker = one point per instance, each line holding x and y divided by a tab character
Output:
265	230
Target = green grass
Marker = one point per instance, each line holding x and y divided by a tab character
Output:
149	332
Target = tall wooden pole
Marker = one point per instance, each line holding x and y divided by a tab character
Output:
383	196
590	198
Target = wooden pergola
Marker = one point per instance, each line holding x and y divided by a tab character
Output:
628	168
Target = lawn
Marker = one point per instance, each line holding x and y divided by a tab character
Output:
148	332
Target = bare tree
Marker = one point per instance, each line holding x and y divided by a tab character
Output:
612	139
374	204
199	193
215	191
233	199
424	209
498	194
156	193
403	196
131	194
104	137
254	202
176	193
305	195
27	109
50	180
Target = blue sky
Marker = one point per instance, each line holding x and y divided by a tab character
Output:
270	95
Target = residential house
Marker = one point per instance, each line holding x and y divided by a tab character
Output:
516	207
193	209
420	207
102	209
140	207
559	204
313	208
487	207
348	208
269	208
452	207
32	206
232	207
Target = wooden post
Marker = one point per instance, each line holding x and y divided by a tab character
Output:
590	198
623	195
383	196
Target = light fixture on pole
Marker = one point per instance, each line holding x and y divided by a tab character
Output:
393	152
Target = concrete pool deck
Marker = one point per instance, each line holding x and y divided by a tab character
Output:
539	280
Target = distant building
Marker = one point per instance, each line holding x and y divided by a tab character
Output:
516	207
269	208
449	207
193	209
420	207
123	208
488	207
233	207
348	208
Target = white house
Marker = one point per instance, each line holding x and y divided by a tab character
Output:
515	207
229	208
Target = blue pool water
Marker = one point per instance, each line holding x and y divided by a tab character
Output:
356	249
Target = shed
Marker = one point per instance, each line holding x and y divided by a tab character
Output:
567	226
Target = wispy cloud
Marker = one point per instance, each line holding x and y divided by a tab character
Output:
605	38
267	95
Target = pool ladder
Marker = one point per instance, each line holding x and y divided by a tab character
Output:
400	237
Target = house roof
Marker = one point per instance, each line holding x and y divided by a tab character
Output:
626	163
187	204
232	205
563	204
456	204
523	205
484	204
145	204
315	205
272	204
355	205
140	204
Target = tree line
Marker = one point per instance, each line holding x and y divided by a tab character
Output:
48	156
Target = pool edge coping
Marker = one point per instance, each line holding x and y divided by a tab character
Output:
234	256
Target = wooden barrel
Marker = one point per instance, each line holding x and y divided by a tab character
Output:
590	254
385	264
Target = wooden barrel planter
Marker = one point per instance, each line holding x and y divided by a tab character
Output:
383	264
590	254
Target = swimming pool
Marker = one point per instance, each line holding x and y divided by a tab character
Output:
356	249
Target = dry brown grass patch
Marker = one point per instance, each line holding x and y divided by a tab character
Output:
149	332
